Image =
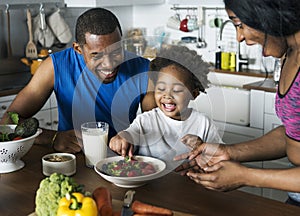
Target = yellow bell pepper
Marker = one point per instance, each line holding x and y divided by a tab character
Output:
76	204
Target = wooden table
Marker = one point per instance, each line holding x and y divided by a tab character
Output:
17	192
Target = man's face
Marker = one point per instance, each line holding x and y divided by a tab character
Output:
103	54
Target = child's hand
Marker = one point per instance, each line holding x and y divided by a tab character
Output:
192	141
120	145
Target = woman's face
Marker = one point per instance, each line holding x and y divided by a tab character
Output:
172	94
102	54
272	46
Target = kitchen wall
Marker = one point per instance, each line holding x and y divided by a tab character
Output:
19	32
152	18
156	17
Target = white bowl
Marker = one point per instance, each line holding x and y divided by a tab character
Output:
131	182
11	152
67	167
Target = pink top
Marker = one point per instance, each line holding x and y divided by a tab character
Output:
288	108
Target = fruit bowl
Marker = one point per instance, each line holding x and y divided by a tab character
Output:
131	182
11	152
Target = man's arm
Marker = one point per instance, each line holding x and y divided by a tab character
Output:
33	96
148	102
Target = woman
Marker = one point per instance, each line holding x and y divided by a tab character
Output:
275	25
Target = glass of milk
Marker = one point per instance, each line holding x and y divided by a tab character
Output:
94	137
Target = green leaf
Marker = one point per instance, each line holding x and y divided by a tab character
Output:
14	117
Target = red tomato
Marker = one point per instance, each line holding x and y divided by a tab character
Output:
17	138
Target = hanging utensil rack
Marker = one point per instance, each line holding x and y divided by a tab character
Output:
196	8
28	5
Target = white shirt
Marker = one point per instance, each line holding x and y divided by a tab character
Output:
159	136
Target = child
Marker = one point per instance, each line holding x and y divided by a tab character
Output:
179	75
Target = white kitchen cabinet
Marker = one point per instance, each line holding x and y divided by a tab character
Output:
271	120
47	116
108	3
54	118
4	103
44	118
262	110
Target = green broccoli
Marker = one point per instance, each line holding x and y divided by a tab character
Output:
51	190
14	117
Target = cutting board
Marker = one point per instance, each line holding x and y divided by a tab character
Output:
117	205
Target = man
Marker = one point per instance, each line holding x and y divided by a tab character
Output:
93	80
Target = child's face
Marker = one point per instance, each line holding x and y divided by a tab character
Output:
172	94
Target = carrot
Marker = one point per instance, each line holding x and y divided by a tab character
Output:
103	200
147	215
117	213
147	209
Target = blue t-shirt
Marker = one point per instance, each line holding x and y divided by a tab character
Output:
82	97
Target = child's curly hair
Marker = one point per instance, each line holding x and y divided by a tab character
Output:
184	58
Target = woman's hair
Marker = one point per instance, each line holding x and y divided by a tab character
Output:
98	21
187	60
273	17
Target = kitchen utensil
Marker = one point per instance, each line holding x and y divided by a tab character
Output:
128	198
59	27
13	151
215	22
183	24
174	22
201	42
31	50
43	23
192	23
9	51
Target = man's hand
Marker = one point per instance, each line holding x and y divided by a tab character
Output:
67	141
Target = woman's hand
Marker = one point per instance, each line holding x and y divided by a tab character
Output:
120	145
222	176
204	155
67	141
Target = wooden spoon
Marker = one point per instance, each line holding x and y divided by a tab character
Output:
31	50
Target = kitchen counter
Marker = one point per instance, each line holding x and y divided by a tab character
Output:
172	191
267	85
254	73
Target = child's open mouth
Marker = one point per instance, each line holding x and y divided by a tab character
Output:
169	107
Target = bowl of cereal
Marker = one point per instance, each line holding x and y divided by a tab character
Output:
63	163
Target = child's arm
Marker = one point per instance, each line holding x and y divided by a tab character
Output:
121	144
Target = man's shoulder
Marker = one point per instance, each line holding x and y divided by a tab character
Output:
133	58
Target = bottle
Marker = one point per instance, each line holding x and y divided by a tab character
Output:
277	70
225	59
218	59
232	61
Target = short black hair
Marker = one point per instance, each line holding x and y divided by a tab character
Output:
184	58
273	17
98	21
